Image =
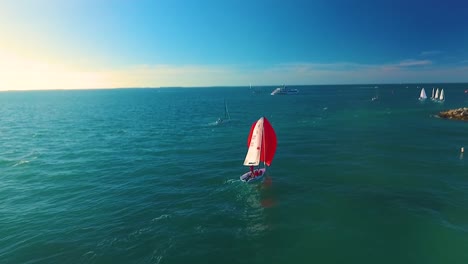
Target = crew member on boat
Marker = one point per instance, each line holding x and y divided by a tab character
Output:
254	173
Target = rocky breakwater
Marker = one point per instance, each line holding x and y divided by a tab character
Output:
458	114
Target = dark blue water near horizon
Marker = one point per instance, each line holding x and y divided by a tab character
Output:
145	176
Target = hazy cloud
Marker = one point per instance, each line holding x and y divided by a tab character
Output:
36	76
410	63
290	73
430	53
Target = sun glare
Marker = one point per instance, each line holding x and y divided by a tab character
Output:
20	73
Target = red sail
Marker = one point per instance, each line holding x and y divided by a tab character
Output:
268	142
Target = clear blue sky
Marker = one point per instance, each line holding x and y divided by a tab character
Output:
91	43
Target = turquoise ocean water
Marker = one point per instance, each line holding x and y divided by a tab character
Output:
144	176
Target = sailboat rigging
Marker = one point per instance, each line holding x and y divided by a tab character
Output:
261	144
226	117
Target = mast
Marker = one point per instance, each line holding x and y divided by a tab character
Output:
263	146
225	110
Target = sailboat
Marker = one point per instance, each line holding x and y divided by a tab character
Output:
226	117
423	95
442	96
432	96
262	148
436	97
376	97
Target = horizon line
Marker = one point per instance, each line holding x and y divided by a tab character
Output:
224	86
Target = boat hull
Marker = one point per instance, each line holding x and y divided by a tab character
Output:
221	121
246	176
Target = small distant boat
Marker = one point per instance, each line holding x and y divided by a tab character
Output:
226	117
436	96
262	148
422	95
376	97
439	97
284	91
432	96
442	96
466	91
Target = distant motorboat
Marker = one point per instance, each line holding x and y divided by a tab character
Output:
284	91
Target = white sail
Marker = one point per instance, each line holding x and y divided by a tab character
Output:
253	154
442	96
437	94
432	93
423	95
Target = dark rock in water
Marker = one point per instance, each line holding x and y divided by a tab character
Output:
459	114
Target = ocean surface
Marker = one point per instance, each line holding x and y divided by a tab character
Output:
145	176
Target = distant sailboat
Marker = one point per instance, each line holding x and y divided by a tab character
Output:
439	97
376	97
442	96
226	117
422	95
432	96
262	148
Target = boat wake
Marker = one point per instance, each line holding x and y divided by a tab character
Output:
230	181
20	163
161	217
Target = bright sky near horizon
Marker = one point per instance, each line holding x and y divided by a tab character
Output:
73	44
